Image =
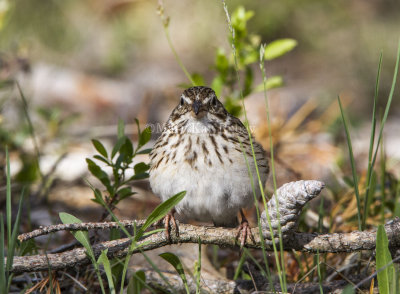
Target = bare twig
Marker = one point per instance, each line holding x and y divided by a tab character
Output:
78	227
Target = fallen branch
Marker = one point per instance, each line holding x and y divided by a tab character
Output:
291	198
308	242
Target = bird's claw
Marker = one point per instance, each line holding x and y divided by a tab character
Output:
244	231
169	221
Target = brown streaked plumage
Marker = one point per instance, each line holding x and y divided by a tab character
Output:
203	145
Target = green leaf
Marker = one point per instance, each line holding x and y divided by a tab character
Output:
124	193
117	146
100	148
217	85
121	128
272	82
160	211
81	236
174	260
101	158
383	258
138	126
198	79
127	150
144	151
98	173
233	106
103	259
98	196
278	48
140	176
145	137
136	283
221	62
141	167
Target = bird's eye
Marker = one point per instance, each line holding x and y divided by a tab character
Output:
214	101
182	102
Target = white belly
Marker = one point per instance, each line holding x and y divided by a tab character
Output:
214	192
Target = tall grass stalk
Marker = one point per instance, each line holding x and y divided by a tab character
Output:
8	196
165	21
31	130
371	145
371	163
319	274
260	231
12	232
262	68
281	272
352	163
388	104
198	269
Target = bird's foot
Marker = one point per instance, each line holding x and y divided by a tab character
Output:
169	221
244	231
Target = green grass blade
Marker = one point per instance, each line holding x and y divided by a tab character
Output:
280	264
240	265
165	21
371	192
319	274
353	165
198	269
383	183
8	197
3	279
174	260
281	272
81	236
103	259
160	211
158	271
384	264
397	201
137	282
12	242
31	129
371	146
388	104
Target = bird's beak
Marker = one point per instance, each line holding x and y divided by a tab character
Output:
196	107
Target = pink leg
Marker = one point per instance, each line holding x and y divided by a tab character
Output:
244	230
169	219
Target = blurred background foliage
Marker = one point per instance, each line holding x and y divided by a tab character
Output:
339	42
